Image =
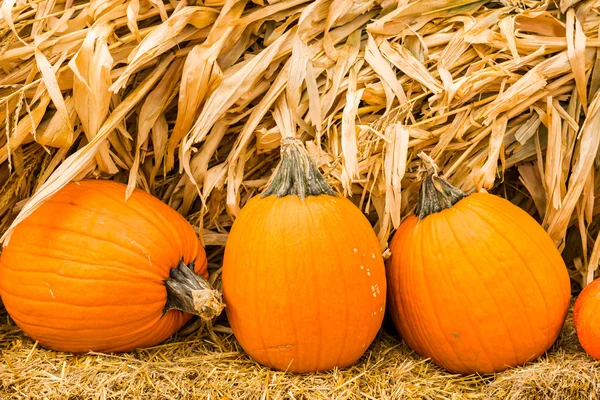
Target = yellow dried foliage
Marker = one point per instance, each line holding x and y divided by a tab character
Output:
189	101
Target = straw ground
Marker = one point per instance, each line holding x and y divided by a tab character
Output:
212	365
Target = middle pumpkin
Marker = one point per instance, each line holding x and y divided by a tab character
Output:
303	276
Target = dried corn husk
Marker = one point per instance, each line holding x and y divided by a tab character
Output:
189	101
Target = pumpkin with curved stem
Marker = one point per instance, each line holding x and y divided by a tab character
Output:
475	283
303	276
91	271
586	317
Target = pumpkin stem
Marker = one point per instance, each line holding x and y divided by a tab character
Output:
436	194
297	174
191	293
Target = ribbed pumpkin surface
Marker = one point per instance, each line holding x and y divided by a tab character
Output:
85	271
477	287
304	282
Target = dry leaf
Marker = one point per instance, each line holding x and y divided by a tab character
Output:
588	149
485	177
91	66
162	39
576	51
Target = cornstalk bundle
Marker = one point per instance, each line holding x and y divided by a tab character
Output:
189	101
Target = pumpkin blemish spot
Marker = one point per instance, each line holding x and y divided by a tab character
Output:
283	347
376	291
50	289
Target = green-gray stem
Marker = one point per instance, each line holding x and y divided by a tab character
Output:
191	293
436	194
297	174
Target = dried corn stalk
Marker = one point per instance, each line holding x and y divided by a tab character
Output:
189	101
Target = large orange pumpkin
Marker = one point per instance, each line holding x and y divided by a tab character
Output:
586	316
91	271
303	276
475	283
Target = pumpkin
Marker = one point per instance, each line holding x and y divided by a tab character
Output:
475	283
90	271
586	317
303	275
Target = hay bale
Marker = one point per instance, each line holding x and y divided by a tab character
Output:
188	100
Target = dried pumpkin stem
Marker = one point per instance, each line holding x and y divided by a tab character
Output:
436	194
191	293
297	174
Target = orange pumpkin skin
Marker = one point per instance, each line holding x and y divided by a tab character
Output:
586	317
304	282
477	287
85	271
